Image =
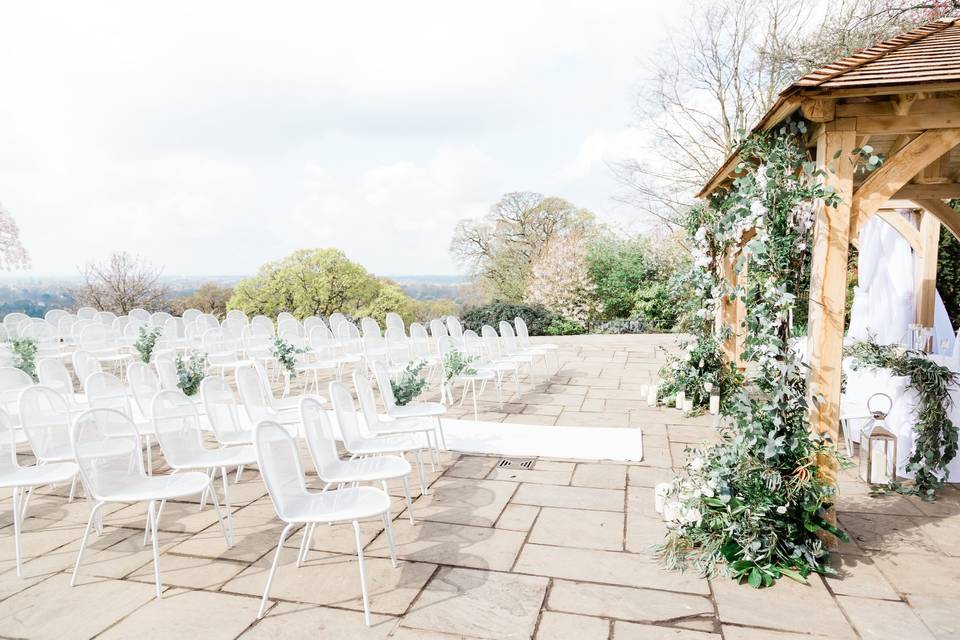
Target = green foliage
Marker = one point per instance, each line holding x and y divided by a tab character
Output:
699	370
146	341
537	318
657	304
936	444
25	356
565	327
191	371
633	324
948	272
286	354
618	268
456	364
319	282
411	383
755	502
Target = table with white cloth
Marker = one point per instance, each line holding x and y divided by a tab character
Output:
866	381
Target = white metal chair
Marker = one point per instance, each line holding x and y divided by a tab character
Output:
84	364
141	315
361	445
254	397
223	412
469	378
523	336
105	391
395	322
18	478
379	426
11	323
54	374
106	446
282	472
12	382
426	410
513	351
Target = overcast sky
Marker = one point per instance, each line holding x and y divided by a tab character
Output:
212	138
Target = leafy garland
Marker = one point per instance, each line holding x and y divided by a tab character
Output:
936	444
191	371
754	502
455	363
286	354
411	383
701	364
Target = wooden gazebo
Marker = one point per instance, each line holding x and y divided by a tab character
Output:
902	97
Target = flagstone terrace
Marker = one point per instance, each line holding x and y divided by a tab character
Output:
561	550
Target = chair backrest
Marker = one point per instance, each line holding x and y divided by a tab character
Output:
262	325
221	406
177	424
370	328
144	384
236	315
86	313
398	346
280	467
120	324
290	330
382	374
45	417
310	322
349	337
65	326
84	364
132	329
454	328
11	322
173	329
346	413
472	344
97	337
319	433
438	329
53	373
322	342
8	445
139	314
208	321
419	340
105	391
335	320
106	446
12	382
252	394
39	330
159	318
491	341
508	337
166	368
394	321
190	315
105	318
368	404
234	327
54	316
522	333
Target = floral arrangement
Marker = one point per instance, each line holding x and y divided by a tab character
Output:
936	444
286	354
191	371
456	364
146	341
698	370
25	356
410	384
754	504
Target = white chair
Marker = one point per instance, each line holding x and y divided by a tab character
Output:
45	419
177	425
395	322
282	472
262	325
54	316
190	315
283	316
12	382
53	373
106	391
224	413
455	329
140	314
523	336
360	444
427	410
106	446
18	478
496	358
159	318
11	322
513	350
45	334
223	351
369	327
236	315
144	384
253	396
469	378
106	318
438	329
380	426
103	344
84	364
166	368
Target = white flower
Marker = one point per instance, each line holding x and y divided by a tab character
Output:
781	509
692	516
696	464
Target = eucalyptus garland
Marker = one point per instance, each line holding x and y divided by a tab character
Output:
753	505
936	443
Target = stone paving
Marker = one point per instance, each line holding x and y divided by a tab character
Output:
557	551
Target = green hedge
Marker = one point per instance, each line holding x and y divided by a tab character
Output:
537	318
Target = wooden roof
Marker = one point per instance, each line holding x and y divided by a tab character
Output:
926	58
930	53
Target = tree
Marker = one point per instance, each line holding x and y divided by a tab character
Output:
319	282
209	297
427	310
714	81
122	283
501	248
618	267
12	253
560	281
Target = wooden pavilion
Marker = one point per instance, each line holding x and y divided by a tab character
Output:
901	97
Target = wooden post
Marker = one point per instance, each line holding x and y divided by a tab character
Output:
732	312
926	267
828	286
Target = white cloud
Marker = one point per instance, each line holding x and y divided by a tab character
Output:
212	137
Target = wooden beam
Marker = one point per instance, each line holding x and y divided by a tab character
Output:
828	286
818	109
885	182
896	220
903	102
945	213
941	191
889	107
908	123
926	287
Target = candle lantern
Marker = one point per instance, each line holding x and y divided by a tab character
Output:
878	446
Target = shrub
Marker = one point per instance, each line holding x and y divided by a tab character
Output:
565	327
657	304
536	317
633	324
618	267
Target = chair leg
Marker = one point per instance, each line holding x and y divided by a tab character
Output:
273	570
406	493
363	577
227	531
443	437
476	415
149	455
203	497
226	500
17	491
83	541
25	504
73	489
239	473
156	551
420	473
305	543
388	526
